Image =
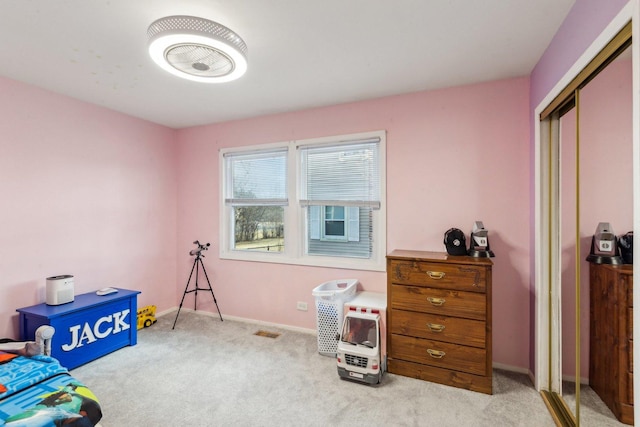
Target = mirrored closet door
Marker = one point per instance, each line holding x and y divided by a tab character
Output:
589	172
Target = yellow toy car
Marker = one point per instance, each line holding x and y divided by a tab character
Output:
146	316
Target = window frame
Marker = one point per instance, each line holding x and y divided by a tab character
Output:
295	217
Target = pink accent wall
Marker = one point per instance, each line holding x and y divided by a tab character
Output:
84	191
453	156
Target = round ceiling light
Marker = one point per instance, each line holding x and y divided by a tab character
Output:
197	49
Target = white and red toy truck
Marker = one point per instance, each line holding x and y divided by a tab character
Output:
362	350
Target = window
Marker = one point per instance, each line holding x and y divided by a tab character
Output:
340	223
334	223
256	197
311	202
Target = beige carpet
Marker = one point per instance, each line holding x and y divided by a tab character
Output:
212	373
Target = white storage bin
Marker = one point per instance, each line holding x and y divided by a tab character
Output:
330	298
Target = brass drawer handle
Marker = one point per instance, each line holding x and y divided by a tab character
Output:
437	275
436	301
435	327
436	354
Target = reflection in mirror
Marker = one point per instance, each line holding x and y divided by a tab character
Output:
568	185
604	136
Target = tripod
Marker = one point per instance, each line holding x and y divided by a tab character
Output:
196	267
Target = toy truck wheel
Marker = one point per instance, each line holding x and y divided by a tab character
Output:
147	323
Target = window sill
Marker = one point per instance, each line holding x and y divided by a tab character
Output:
311	261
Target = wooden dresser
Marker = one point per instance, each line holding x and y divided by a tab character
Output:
611	337
439	313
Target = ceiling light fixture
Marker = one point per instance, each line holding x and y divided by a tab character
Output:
197	49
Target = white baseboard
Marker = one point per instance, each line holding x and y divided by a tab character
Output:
165	312
511	368
241	319
516	369
502	366
572	379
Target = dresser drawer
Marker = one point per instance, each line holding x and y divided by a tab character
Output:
470	305
438	275
454	378
442	328
440	354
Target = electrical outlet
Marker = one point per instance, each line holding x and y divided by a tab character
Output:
302	306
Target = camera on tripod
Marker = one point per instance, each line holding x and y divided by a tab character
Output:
200	248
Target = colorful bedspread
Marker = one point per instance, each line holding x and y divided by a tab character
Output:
40	392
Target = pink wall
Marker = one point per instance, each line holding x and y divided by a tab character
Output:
85	191
453	156
97	194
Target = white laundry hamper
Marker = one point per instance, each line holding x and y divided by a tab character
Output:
330	299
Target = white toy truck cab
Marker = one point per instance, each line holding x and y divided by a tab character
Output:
361	353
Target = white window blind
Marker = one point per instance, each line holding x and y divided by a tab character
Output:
345	174
257	178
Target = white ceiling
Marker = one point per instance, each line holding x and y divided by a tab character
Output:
302	53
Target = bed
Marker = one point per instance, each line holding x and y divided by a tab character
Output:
35	390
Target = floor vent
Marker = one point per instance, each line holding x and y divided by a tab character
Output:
267	334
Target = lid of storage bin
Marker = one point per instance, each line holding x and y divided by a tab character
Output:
336	286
